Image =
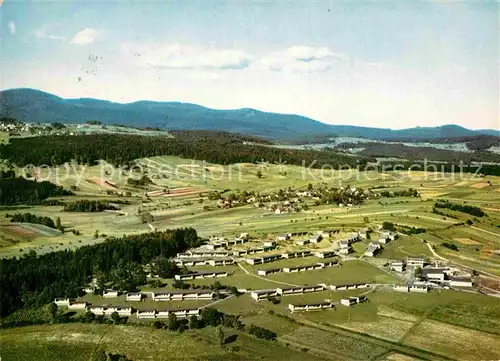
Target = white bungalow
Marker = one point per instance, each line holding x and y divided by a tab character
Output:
311	306
97	310
300	290
77	306
302	242
283	237
110	294
461	282
415	262
419	288
324	254
352	300
270	271
263	294
134	297
62	302
146	314
373	249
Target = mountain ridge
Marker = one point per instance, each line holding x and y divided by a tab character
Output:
32	105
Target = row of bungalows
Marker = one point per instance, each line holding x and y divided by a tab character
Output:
200	275
299	254
70	304
351	286
244	252
352	301
203	254
309	267
108	310
418	288
373	249
263	259
269	271
179	313
325	254
260	295
183	295
299	290
311	306
190	262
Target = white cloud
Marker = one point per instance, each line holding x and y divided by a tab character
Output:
179	56
46	31
85	37
12	27
297	59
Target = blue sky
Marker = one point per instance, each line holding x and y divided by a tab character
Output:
384	64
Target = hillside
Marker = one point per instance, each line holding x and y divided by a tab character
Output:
33	105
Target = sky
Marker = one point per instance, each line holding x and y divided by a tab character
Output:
384	64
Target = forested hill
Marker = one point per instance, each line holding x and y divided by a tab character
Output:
121	149
31	105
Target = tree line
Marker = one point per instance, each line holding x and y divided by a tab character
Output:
34	280
25	191
464	208
32	218
86	205
122	149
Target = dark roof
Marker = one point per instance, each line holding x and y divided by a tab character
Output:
312	304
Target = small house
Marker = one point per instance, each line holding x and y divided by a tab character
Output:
418	288
373	249
352	301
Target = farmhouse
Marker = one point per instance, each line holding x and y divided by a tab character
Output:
298	254
433	274
415	262
324	254
134	296
270	271
460	282
352	300
200	275
62	302
146	313
397	266
77	306
110	294
300	290
373	249
310	306
183	295
263	294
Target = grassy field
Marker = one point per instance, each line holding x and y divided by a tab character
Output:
79	341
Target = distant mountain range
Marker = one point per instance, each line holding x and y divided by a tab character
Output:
32	105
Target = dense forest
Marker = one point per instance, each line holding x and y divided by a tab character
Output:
36	280
32	218
120	149
85	205
486	169
388	150
24	191
464	208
